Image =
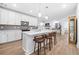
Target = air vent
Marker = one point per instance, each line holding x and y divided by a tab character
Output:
46	6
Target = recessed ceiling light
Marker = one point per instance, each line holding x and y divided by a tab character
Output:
14	5
46	17
64	5
41	23
30	10
39	14
46	6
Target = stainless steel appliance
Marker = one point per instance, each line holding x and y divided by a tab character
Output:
25	26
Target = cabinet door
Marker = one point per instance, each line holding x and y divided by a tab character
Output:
17	19
11	19
32	21
3	16
0	15
11	35
18	34
26	18
3	36
29	19
22	18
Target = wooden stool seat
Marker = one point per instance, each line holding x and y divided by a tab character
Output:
39	39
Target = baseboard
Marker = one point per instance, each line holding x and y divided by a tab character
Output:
10	42
77	46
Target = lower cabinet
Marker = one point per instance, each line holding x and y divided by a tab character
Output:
9	35
18	35
3	36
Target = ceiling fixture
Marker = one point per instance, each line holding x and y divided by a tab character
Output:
46	6
46	17
39	14
14	5
30	10
64	5
46	10
41	24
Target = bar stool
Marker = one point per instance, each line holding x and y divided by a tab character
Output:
39	39
54	35
49	37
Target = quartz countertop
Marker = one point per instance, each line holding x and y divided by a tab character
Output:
38	32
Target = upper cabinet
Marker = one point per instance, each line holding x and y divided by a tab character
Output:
24	18
14	18
33	21
17	19
3	16
3	36
11	18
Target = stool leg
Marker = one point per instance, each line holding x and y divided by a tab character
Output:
38	48
46	42
44	48
34	47
55	41
49	44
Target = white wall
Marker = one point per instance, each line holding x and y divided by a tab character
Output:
78	26
64	25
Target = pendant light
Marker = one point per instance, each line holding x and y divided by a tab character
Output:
46	17
39	12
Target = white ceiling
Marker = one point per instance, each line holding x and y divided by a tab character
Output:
54	10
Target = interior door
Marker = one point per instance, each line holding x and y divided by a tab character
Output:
72	29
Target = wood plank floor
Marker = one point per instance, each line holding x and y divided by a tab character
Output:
13	48
61	48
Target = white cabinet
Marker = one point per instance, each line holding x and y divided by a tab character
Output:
33	21
24	18
14	35
11	18
3	16
0	15
11	35
7	17
17	19
29	19
3	36
18	34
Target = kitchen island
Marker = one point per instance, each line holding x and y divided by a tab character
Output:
28	36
